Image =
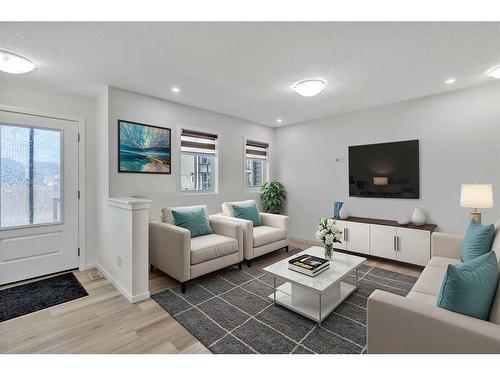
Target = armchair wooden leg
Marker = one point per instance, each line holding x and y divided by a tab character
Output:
240	265
249	263
286	249
151	268
183	288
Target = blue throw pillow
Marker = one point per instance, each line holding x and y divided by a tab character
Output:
477	240
469	288
194	220
248	212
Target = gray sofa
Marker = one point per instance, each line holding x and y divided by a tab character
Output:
414	324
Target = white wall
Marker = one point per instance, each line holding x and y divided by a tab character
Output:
46	100
163	189
459	136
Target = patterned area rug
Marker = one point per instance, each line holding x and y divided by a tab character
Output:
230	312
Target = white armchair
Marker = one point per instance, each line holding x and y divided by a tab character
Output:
272	235
173	251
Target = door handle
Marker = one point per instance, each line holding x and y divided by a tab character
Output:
394	243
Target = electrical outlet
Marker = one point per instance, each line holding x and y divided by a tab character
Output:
119	261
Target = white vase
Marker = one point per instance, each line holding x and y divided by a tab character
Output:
403	220
343	214
418	217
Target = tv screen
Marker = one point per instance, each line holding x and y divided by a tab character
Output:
384	170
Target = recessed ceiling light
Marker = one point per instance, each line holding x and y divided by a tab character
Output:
309	87
176	89
13	63
279	120
450	81
494	72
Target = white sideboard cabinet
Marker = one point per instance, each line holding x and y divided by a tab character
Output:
387	239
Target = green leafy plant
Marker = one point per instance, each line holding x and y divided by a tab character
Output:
273	196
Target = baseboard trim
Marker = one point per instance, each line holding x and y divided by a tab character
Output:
131	298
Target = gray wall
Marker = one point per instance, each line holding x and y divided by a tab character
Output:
459	136
163	189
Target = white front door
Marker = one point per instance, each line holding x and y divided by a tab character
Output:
38	196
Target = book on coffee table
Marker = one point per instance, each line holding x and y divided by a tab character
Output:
309	265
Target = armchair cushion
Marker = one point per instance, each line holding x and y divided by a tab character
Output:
248	212
227	207
211	246
168	217
264	235
194	220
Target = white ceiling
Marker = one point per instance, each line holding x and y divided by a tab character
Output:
246	70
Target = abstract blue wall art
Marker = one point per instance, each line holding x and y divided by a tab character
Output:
143	148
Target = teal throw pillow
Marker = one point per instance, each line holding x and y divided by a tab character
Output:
248	212
477	241
193	220
469	288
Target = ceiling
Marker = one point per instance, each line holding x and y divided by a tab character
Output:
246	70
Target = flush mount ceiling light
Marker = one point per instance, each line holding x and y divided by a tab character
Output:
450	81
494	72
176	89
309	87
279	120
13	63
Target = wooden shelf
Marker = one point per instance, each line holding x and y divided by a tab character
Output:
392	223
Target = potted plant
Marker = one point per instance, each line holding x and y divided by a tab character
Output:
328	234
273	195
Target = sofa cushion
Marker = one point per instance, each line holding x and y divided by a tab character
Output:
248	212
443	261
167	217
426	299
469	288
430	280
195	221
227	207
211	246
264	235
477	240
495	307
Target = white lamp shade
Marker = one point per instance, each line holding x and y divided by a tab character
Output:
476	196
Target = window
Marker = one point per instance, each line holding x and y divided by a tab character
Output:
30	176
198	161
255	163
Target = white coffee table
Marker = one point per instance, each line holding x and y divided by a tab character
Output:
315	297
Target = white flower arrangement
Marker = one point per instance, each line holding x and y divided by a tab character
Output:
328	234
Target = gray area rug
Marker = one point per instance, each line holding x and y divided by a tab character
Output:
230	312
24	299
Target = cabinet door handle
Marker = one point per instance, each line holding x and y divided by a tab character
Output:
395	243
345	234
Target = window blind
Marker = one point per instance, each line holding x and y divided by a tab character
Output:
256	150
198	142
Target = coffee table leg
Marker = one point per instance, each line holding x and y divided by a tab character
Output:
319	323
275	290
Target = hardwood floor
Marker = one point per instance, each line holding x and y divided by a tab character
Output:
105	322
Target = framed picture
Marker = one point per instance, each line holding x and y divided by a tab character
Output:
143	148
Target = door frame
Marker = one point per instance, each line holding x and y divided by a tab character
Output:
80	123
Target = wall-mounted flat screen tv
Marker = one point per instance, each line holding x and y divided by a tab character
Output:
384	170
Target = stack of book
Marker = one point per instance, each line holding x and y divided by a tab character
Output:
308	265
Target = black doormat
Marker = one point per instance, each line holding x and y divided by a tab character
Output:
25	299
230	312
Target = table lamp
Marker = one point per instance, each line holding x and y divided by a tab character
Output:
476	196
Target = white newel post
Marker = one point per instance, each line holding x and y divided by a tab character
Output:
127	265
